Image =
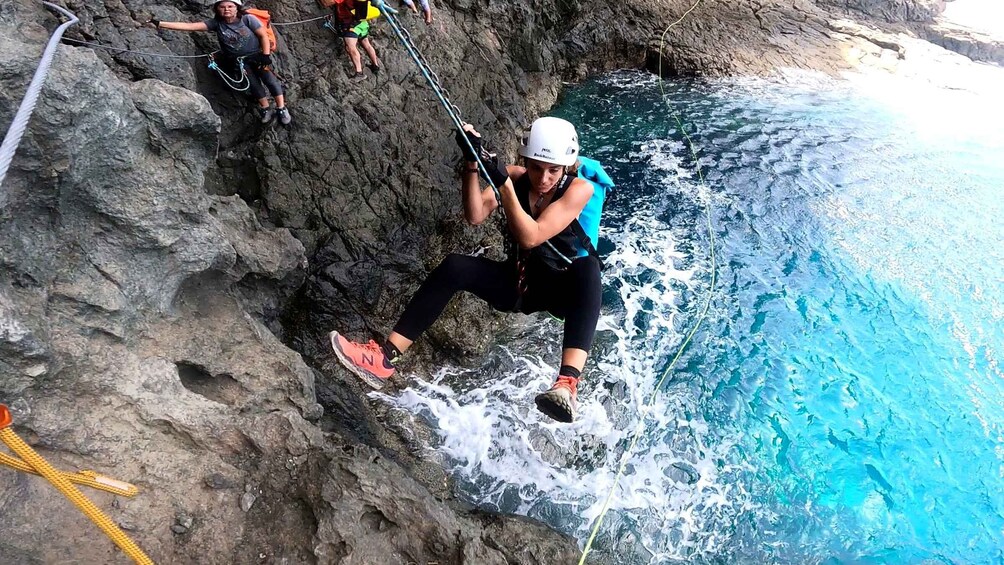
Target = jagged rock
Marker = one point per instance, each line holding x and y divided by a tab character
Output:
893	11
974	44
869	49
154	240
247	501
367	514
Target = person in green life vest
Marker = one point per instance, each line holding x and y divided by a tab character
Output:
354	30
242	37
553	214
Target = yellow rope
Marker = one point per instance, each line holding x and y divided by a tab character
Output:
86	478
29	456
703	314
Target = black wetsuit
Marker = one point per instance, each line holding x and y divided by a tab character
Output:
569	291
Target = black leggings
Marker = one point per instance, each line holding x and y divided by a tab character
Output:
572	294
262	82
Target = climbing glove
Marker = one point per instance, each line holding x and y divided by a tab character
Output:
265	60
497	172
475	140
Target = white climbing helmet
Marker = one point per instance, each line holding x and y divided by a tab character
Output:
218	2
551	140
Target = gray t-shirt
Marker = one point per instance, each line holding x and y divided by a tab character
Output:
237	39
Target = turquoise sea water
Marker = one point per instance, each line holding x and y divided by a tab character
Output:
843	401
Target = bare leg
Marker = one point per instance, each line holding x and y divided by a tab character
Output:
280	101
574	357
370	51
263	102
426	10
399	341
350	48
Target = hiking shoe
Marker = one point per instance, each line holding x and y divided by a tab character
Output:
559	403
358	77
266	114
284	117
367	361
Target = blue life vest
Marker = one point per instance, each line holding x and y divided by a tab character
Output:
592	171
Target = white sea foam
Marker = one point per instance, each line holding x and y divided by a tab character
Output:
679	487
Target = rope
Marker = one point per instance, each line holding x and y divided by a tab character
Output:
701	316
280	24
173	56
27	454
233	83
86	478
122	49
24	111
444	97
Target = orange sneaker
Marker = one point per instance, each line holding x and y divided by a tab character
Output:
367	361
559	402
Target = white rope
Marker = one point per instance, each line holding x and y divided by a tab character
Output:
23	116
280	24
148	54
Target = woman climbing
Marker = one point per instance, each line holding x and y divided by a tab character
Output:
553	218
244	44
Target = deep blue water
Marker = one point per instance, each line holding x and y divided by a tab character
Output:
843	399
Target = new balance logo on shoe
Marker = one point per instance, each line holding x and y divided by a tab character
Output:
366	361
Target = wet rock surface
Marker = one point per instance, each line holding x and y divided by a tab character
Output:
169	267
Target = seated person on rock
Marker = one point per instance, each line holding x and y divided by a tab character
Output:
354	30
552	266
243	38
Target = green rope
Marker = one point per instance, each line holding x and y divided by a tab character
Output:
701	317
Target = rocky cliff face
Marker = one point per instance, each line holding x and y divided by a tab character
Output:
891	11
169	267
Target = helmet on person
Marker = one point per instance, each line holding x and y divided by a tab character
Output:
551	140
218	2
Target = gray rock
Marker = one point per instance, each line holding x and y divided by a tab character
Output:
182	524
247	501
893	11
218	481
159	249
973	44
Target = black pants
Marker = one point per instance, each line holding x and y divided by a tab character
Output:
572	294
262	82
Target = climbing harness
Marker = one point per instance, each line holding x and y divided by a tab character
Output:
233	83
27	456
697	324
